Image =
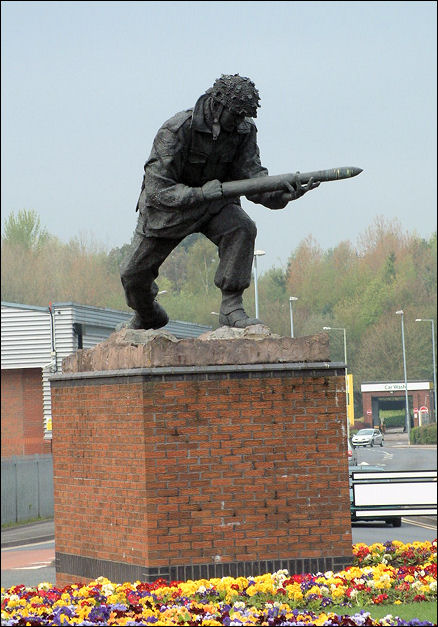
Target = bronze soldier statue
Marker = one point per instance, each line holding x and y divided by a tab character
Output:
193	153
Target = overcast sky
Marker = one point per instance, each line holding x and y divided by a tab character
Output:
86	85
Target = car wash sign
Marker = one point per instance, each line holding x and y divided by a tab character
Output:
395	386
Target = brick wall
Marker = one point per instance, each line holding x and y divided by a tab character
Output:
22	413
200	474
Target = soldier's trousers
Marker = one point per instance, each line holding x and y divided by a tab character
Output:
233	232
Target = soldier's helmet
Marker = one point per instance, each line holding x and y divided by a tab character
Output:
236	93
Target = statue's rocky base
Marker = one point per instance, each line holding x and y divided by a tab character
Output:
234	466
130	348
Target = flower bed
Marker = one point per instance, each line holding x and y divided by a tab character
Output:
390	573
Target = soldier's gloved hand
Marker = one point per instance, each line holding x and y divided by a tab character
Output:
212	190
257	198
299	190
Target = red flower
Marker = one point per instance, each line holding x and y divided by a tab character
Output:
132	598
420	597
297	579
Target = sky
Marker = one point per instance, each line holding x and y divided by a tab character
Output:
86	86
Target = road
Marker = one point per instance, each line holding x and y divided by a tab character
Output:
28	564
412	529
32	564
396	454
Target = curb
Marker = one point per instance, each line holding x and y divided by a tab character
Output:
12	543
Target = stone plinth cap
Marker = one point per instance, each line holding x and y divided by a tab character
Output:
134	348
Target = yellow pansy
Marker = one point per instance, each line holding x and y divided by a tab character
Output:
314	590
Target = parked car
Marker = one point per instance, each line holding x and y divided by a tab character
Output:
395	521
366	437
352	455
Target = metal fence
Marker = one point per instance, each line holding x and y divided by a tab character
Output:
27	488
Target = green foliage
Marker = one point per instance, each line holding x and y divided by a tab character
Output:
51	271
396	420
425	611
12	525
116	257
24	230
389	270
425	434
273	301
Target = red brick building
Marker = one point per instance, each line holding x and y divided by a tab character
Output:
383	395
22	413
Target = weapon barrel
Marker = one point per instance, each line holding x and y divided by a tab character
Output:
261	184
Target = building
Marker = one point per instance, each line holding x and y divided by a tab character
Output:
34	342
384	395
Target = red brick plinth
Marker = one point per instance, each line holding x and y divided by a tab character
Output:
189	472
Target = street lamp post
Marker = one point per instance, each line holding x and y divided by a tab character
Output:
408	419
346	370
291	299
257	253
433	360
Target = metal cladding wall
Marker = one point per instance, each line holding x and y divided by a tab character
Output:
27	340
32	478
25	336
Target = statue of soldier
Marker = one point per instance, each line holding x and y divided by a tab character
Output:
192	154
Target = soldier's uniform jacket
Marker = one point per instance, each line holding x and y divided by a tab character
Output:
184	156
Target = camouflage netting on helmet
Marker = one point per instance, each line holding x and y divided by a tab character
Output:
236	93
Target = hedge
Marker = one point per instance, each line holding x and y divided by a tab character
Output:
424	435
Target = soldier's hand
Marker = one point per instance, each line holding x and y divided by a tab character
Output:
299	190
212	190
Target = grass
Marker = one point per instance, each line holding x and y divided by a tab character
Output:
21	523
424	610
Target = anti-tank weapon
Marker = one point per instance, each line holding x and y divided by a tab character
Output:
261	184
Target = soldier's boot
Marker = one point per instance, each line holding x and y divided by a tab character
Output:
238	318
232	313
154	317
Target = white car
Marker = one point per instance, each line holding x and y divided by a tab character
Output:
366	437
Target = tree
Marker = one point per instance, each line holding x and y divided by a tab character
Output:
25	230
174	269
201	266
